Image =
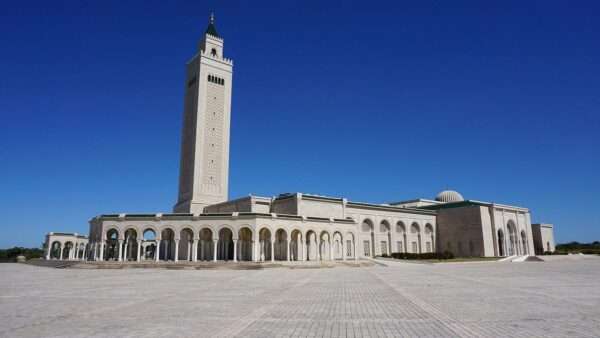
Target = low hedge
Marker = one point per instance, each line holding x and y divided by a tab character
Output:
427	255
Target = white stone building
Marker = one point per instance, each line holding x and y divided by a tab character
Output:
66	246
206	226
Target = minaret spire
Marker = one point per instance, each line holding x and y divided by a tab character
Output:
211	29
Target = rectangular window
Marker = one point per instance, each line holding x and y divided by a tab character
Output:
415	249
399	247
383	246
428	246
366	247
348	248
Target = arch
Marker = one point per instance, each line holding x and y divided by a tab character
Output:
167	244
111	253
386	246
227	226
149	234
265	241
185	251
500	242
244	246
131	244
67	250
524	242
415	230
55	250
296	245
430	238
149	240
338	245
206	244
367	225
324	246
401	245
225	244
280	246
512	238
369	245
310	240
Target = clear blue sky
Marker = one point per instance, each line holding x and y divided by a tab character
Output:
373	101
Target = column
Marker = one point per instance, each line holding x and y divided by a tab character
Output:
289	242
61	251
157	251
215	244
356	241
194	251
304	248
49	251
343	251
125	249
235	250
176	250
95	250
272	251
120	250
139	249
255	253
101	258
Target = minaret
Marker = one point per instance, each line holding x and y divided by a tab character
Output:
204	165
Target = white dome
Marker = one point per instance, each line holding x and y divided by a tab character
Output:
447	196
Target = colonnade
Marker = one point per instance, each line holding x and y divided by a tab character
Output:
67	250
222	245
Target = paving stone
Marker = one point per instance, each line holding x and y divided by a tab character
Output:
551	299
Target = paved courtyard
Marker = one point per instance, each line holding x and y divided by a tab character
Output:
558	298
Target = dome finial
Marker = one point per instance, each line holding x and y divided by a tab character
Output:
212	18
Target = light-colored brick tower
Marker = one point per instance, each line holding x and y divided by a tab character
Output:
204	165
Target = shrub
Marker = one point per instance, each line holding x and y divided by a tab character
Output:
427	255
10	255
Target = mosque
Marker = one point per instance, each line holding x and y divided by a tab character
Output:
206	226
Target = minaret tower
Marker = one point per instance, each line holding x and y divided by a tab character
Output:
204	165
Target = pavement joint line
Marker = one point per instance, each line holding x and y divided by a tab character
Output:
452	324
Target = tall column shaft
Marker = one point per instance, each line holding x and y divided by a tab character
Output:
139	249
235	250
157	251
176	250
120	250
215	242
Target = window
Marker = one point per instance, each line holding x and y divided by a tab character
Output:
216	80
383	245
414	247
399	246
428	246
348	248
366	248
213	52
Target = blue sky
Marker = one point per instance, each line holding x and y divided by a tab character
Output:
376	102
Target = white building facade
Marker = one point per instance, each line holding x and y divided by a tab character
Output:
206	226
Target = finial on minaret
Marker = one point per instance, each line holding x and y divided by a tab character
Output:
211	29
